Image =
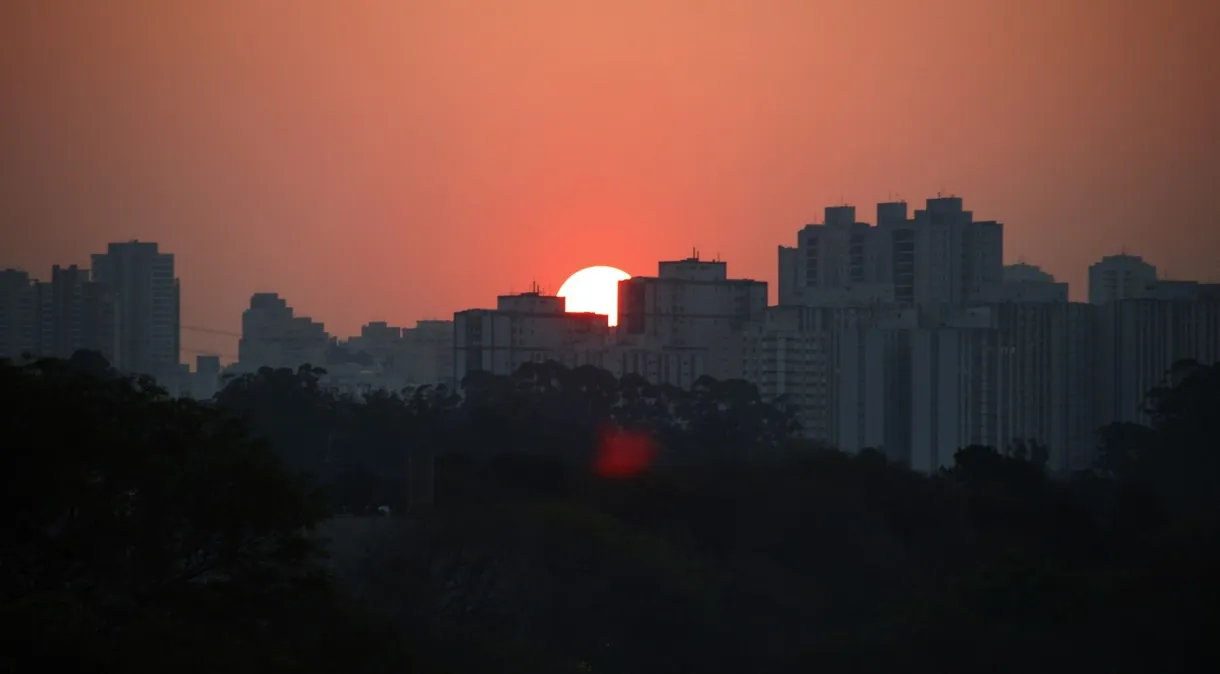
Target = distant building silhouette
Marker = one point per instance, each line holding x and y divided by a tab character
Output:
424	355
1120	277
273	336
838	366
1001	374
837	263
83	315
1026	273
57	318
1025	283
205	381
17	314
692	305
526	327
1139	339
147	292
939	257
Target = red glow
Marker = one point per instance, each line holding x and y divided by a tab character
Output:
623	454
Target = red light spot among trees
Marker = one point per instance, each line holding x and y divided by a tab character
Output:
622	454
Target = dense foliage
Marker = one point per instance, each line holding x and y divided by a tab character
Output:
732	547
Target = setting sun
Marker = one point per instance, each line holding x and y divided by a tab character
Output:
594	289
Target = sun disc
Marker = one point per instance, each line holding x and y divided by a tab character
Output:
594	290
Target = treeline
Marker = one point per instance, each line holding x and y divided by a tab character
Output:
358	447
151	532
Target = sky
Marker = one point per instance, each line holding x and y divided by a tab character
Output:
399	160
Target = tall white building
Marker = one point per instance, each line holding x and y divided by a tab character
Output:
273	336
956	259
528	327
835	263
147	293
1002	374
1139	340
692	305
1120	277
952	397
843	368
939	257
1045	384
424	356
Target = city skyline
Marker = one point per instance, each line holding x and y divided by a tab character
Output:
401	161
222	340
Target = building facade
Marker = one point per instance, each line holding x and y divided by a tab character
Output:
272	335
147	296
523	328
691	305
1120	277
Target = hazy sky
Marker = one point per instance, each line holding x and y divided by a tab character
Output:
398	159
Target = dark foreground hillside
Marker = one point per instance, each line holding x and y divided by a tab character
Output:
146	533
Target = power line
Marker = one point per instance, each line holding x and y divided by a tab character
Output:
210	331
207	352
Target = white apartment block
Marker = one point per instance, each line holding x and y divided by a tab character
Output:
273	336
529	327
692	305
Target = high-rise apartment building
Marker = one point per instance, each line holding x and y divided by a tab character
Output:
1025	283
1015	372
424	355
1139	340
836	263
844	369
955	259
147	293
1120	277
524	328
272	335
692	305
83	314
940	257
17	315
56	318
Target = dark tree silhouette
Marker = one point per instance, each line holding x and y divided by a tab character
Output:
741	548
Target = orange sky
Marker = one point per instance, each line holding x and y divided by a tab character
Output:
396	160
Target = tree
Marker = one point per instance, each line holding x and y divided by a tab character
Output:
127	511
